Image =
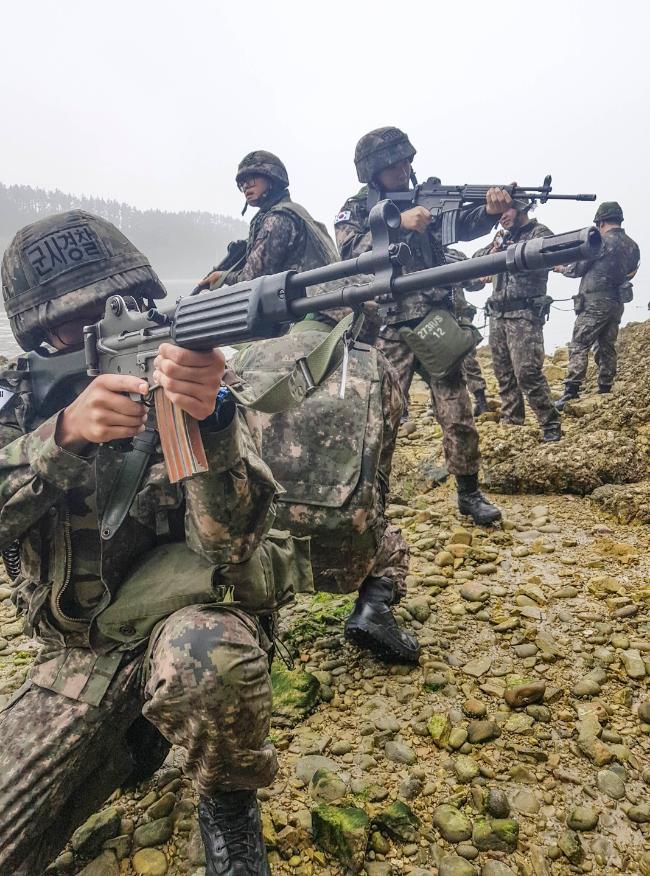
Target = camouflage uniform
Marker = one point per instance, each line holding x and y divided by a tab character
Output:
598	321
339	464
517	336
451	401
70	735
464	310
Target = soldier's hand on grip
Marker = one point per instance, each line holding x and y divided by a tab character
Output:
416	219
103	412
191	379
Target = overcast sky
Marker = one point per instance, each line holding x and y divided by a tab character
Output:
154	103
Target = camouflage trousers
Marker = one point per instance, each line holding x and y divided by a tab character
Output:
204	684
452	405
517	348
473	374
597	327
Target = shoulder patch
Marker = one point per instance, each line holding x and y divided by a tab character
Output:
343	216
5	395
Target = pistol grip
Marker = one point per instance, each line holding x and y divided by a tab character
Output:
180	438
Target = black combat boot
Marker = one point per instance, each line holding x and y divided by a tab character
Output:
571	390
552	432
231	830
481	406
372	624
472	502
604	388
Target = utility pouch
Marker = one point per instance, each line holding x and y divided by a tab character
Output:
626	293
173	576
541	307
579	302
441	341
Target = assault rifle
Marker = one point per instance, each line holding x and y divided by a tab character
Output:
446	202
126	340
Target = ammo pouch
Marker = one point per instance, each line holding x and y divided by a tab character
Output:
626	293
541	307
441	342
173	576
579	302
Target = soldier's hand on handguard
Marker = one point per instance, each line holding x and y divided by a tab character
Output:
103	412
497	201
190	379
212	277
560	269
416	219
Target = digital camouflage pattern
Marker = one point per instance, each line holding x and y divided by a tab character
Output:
265	164
517	335
60	266
517	350
284	237
205	686
353	238
598	322
333	457
379	149
513	289
463	309
452	406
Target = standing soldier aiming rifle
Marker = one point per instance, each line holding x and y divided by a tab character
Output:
383	161
604	290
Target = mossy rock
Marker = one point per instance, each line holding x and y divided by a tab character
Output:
327	614
399	821
439	727
295	694
495	834
343	832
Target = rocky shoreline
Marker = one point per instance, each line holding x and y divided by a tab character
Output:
519	745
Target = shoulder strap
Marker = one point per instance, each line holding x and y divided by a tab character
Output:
128	481
308	373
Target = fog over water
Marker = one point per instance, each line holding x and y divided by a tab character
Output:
154	103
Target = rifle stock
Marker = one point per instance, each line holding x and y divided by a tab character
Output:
126	341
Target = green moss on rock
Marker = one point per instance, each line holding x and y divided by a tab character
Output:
343	832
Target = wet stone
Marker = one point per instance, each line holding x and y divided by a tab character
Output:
583	817
482	731
95	831
154	833
497	803
452	824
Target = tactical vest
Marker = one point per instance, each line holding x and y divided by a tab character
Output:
319	248
325	454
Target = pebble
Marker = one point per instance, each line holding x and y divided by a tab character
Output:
400	753
497	803
474	708
610	784
150	862
154	833
482	731
582	817
452	824
525	694
453	865
496	868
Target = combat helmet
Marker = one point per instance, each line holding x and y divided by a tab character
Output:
265	164
57	266
380	148
609	210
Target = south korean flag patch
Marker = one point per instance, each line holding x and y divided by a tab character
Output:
343	216
5	397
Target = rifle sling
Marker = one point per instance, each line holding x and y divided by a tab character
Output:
308	373
127	482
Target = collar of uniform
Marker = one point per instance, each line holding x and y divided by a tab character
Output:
523	229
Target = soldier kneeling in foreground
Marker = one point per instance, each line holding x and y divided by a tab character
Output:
110	690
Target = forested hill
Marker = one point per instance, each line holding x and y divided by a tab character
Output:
179	245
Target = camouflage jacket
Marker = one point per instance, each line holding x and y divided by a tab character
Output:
353	238
509	289
51	501
617	262
462	307
283	236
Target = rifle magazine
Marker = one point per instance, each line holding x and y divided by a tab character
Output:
180	438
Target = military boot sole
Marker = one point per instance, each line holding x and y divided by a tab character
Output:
372	637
